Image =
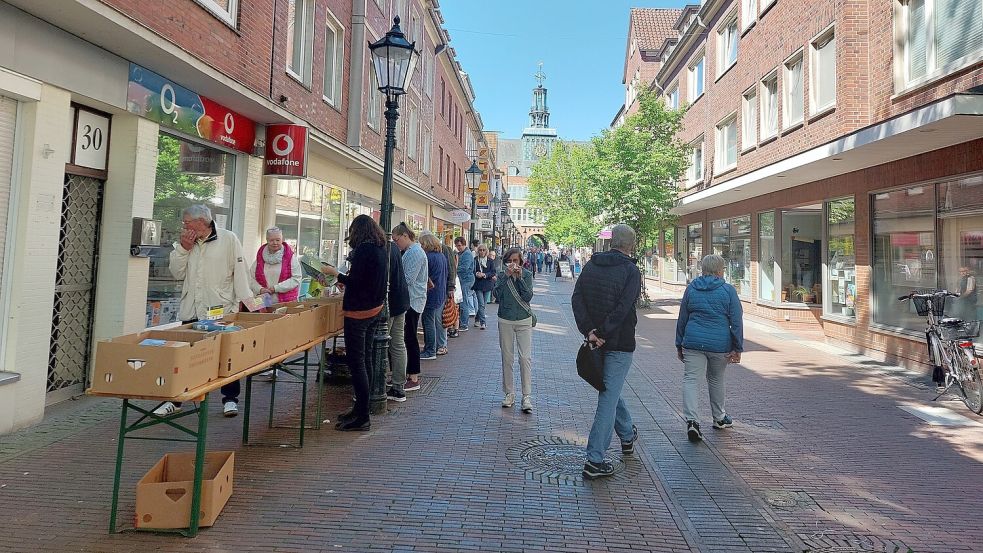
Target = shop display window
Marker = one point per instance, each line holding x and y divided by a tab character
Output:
802	240
187	173
674	266
960	214
766	256
694	251
309	214
731	239
841	268
904	256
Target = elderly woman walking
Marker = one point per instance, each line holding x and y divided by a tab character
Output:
515	322
709	334
437	273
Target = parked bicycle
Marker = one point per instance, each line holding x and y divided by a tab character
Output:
950	347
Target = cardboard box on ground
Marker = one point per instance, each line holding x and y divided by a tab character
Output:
164	493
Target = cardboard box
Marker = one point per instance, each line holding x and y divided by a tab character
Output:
164	493
125	367
241	349
280	333
322	314
306	327
336	320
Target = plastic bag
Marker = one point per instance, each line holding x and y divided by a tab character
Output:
458	295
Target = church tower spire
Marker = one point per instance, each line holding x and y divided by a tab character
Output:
539	113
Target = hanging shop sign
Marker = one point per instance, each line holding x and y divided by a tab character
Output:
483	200
170	104
286	151
459	216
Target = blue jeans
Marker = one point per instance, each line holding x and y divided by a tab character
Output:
612	414
465	308
483	298
431	330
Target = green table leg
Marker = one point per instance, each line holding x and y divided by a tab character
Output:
119	465
245	414
303	399
200	452
272	397
319	411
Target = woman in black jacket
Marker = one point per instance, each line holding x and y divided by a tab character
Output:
365	288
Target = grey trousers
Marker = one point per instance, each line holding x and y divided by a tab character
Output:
509	334
699	364
397	351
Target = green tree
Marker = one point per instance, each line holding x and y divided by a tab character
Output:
558	186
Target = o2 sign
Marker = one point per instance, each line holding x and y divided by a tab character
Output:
286	151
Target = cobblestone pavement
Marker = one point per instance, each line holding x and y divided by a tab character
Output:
821	459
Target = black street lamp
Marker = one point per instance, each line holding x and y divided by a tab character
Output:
394	60
473	177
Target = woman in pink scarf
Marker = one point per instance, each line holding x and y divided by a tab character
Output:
276	270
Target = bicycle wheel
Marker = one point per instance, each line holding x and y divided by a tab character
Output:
970	382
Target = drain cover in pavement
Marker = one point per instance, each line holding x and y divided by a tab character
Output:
553	460
938	416
852	543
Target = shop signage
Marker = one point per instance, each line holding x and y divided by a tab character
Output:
459	216
286	151
483	200
91	140
170	104
485	225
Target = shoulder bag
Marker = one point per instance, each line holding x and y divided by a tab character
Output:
518	299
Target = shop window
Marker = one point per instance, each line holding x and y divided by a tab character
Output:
300	39
309	214
674	264
187	173
961	245
694	251
767	270
904	256
802	241
731	239
841	268
8	120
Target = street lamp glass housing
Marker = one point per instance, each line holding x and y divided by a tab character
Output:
473	175
394	60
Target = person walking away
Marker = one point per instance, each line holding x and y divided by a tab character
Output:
276	263
515	321
415	271
449	326
709	334
399	305
540	259
549	262
531	262
604	308
365	290
209	262
484	283
434	307
465	274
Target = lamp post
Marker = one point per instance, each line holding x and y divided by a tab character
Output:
394	60
473	177
494	213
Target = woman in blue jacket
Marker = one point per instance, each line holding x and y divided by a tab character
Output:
709	334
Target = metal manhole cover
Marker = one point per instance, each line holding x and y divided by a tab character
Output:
787	499
553	460
851	543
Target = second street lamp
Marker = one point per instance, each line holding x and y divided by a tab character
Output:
473	176
394	59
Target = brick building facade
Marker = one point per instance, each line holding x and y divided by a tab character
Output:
835	160
178	102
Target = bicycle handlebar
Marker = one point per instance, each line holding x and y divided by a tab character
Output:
928	295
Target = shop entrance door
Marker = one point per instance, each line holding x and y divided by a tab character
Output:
75	279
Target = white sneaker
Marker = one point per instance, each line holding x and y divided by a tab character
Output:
527	404
231	409
168	408
508	401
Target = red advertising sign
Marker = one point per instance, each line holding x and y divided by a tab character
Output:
226	127
286	151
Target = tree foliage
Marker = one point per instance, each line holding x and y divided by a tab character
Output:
624	175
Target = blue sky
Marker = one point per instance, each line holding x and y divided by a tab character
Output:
580	42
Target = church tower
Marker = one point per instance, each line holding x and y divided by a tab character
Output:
538	138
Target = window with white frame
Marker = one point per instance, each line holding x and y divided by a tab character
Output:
300	39
696	78
822	74
375	101
725	154
334	56
673	100
769	106
793	98
226	10
694	175
412	132
428	68
749	119
749	13
940	36
764	5
727	38
427	144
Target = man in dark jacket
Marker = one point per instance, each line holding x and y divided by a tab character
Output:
604	307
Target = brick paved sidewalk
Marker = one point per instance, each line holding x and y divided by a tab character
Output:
821	458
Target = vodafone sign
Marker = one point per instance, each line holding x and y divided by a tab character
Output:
286	151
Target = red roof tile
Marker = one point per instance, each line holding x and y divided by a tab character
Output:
652	26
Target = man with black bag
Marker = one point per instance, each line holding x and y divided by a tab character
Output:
604	308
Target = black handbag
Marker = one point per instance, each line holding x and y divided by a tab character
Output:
590	365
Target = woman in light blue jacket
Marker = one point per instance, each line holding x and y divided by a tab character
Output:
709	334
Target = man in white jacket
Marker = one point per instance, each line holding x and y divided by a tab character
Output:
210	262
